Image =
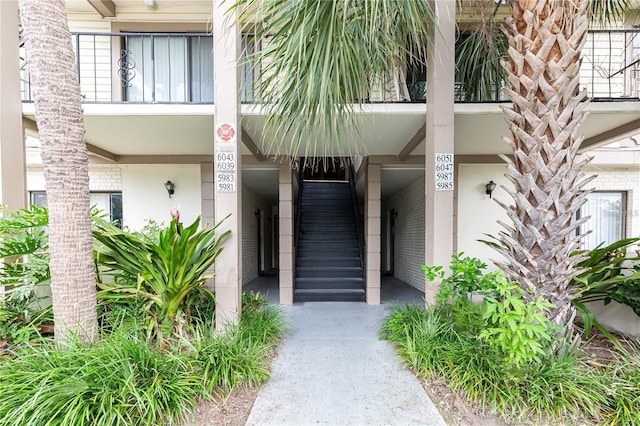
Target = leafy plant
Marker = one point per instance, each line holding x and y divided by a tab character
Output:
24	252
607	275
124	380
465	278
167	273
557	386
518	329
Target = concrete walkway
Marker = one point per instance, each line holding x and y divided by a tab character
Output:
333	370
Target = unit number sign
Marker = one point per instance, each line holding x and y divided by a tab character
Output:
444	172
225	172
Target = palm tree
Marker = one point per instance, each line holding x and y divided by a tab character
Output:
545	38
56	93
322	57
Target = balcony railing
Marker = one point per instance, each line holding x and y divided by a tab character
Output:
178	68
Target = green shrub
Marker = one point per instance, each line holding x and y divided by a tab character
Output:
166	274
518	329
119	381
607	275
24	253
126	380
440	343
465	278
622	381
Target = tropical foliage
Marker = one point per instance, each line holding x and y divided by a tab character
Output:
608	274
320	59
24	275
504	355
124	380
169	274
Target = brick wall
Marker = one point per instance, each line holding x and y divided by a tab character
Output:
409	233
101	179
250	203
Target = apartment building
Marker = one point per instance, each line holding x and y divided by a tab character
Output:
170	123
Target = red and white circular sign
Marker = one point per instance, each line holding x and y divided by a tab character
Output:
225	132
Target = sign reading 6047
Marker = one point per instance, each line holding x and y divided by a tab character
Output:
225	161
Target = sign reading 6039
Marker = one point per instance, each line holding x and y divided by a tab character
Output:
225	161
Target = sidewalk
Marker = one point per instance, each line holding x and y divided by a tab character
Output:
333	370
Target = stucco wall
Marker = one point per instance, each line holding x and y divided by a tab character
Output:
477	213
144	196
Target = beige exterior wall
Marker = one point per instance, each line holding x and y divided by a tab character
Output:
144	196
12	150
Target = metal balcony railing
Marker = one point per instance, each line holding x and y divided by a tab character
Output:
178	68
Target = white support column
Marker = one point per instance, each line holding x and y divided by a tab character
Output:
373	227
13	186
227	159
285	234
439	214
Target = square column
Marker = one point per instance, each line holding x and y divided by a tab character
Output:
439	212
13	181
373	227
285	234
226	162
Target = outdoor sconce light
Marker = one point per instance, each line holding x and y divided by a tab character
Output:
257	213
489	188
170	187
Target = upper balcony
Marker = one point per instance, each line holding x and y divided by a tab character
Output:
176	68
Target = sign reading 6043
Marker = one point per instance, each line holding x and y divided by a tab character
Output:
225	161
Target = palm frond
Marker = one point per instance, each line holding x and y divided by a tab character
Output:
608	12
319	60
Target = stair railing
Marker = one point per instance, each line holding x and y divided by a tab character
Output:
356	212
296	217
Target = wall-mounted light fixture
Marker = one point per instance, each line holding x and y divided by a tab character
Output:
170	187
489	188
257	213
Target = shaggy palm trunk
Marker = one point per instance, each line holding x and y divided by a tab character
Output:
545	41
56	93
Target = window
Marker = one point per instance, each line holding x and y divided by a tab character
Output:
169	68
176	67
607	221
109	203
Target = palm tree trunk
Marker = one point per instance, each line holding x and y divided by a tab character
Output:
56	93
545	41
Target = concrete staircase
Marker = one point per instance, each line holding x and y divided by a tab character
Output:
328	265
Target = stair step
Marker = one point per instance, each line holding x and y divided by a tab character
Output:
352	252
327	244
329	295
327	261
329	283
328	272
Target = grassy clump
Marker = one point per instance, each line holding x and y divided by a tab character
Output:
126	379
442	342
